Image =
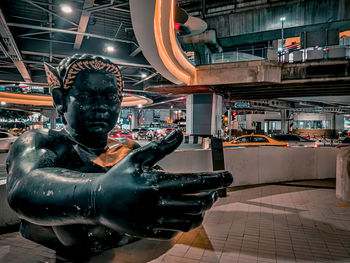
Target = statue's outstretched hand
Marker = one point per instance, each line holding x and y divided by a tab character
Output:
135	199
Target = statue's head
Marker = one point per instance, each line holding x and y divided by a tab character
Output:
87	93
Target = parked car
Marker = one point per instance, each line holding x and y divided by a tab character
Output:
6	141
254	141
139	133
121	134
344	143
295	140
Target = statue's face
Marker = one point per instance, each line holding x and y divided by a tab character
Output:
92	104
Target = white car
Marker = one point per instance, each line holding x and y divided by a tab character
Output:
6	141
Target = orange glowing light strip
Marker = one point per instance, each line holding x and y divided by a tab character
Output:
177	71
26	99
179	55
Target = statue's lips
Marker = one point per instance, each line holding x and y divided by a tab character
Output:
99	121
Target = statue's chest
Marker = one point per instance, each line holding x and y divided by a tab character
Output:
83	160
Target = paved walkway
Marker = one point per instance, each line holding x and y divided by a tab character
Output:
269	223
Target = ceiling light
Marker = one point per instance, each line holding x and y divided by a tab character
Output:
143	75
110	49
139	105
66	9
3	103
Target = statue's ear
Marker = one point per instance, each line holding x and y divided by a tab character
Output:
58	100
52	76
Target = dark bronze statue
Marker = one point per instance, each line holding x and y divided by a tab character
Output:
77	190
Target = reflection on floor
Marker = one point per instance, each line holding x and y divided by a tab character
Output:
269	223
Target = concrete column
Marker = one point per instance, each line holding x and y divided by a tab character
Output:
52	114
229	124
343	175
53	117
134	118
203	114
171	115
284	121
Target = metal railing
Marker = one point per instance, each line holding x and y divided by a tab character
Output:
315	53
289	54
239	55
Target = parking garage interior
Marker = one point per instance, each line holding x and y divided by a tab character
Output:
214	70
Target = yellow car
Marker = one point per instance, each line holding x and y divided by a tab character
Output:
253	141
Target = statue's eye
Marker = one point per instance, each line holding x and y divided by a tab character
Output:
84	97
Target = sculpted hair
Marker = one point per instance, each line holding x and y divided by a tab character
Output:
64	75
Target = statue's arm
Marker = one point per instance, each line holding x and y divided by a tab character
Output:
130	198
43	194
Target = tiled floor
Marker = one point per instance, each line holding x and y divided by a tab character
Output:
270	223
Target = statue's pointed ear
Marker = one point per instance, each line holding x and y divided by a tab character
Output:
58	100
52	76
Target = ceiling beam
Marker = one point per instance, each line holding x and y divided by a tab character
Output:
84	19
59	30
118	61
106	6
135	52
50	12
12	49
146	78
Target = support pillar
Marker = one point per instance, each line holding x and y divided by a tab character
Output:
284	121
134	118
203	114
53	116
343	175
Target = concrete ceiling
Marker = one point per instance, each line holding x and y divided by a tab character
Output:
37	31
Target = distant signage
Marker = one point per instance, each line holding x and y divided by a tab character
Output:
242	105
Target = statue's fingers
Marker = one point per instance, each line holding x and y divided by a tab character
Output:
187	183
180	222
188	204
155	151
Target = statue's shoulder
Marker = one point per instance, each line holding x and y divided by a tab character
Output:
32	136
39	138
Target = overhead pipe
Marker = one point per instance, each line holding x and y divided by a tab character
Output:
147	78
59	30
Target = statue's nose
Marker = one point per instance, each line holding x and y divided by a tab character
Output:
99	105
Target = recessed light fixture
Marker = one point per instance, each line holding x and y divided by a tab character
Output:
66	9
3	103
139	105
143	75
110	48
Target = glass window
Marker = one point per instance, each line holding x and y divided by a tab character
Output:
3	135
242	125
243	140
259	139
305	124
326	124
